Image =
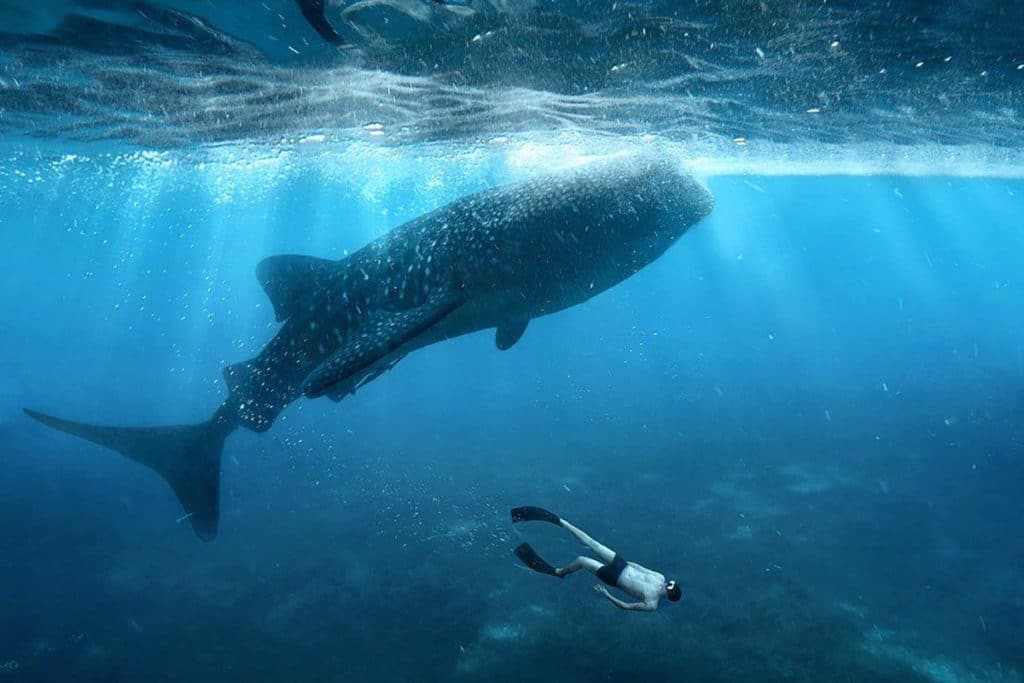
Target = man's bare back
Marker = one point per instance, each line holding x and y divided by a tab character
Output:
645	585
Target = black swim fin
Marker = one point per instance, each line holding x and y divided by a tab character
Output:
534	561
529	513
186	456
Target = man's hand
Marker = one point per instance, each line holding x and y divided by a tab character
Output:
614	600
632	606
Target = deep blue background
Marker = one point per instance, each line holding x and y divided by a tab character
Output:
808	411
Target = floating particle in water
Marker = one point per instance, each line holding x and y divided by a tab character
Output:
502	632
814	110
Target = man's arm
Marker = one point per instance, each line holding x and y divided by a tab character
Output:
634	606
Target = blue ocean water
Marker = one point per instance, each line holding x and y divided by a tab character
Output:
809	411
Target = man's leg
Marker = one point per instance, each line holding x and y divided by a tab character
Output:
578	564
606	554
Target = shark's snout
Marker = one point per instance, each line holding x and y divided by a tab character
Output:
686	199
702	199
675	191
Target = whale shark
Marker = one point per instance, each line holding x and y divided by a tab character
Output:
496	259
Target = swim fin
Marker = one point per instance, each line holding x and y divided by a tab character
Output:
529	513
534	561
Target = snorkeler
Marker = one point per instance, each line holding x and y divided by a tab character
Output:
646	585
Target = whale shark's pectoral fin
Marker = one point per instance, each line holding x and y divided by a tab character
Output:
290	281
506	336
355	382
383	333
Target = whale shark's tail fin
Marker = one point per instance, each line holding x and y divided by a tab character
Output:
186	456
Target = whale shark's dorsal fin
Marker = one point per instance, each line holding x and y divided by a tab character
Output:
314	12
290	281
507	335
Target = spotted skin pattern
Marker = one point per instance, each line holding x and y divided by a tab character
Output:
495	259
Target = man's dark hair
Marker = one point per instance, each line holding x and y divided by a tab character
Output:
674	593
